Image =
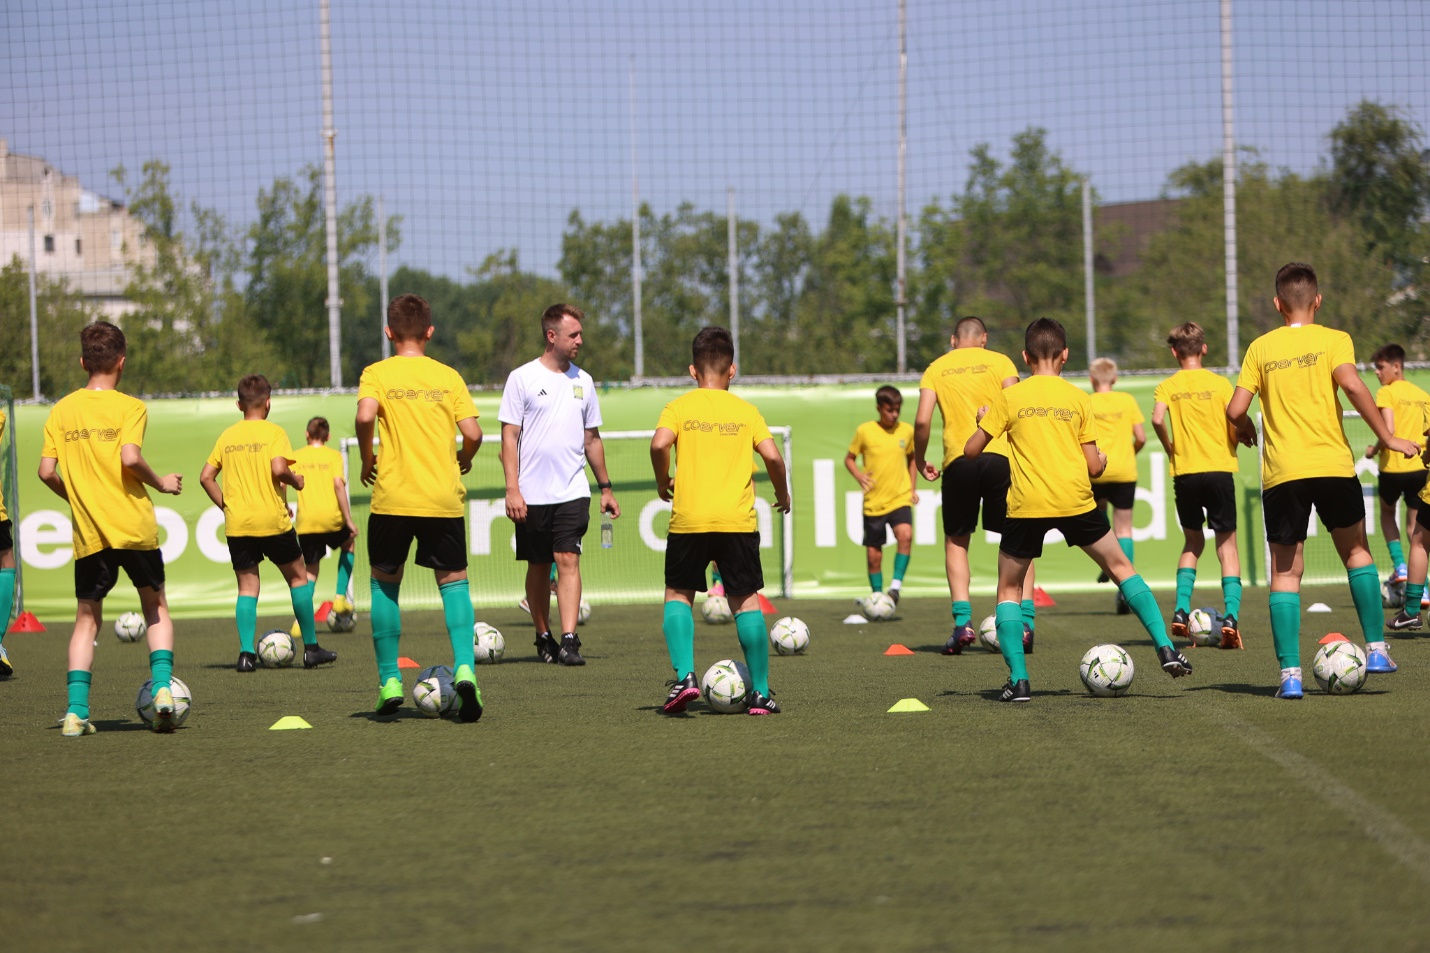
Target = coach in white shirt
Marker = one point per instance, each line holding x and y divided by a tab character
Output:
550	424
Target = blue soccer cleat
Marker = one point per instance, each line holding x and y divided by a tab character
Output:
1290	687
1379	662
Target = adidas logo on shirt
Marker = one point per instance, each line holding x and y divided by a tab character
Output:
542	392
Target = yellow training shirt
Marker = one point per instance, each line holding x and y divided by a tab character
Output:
1114	414
419	402
715	433
1047	421
2	468
254	503
886	459
1291	368
110	507
1410	406
964	380
1202	440
318	510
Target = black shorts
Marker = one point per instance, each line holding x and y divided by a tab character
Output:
1422	518
967	483
1286	507
316	545
1023	536
875	527
552	528
737	554
96	574
1401	486
245	552
1212	493
441	542
1122	496
7	536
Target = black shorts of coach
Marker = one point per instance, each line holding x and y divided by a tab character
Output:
1401	486
441	542
967	483
1122	495
1023	535
876	528
687	555
1286	507
96	574
246	552
1211	495
316	545
552	528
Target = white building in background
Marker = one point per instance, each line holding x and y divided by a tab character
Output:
90	241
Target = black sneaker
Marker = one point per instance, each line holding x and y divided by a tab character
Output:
1103	577
546	648
1403	622
315	655
1174	663
570	651
1181	625
682	693
247	662
1027	639
961	639
1122	607
762	705
1016	691
894	594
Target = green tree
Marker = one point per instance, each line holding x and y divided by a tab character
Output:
1380	176
60	314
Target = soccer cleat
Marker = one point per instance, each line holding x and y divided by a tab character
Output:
546	647
315	655
247	662
524	606
74	726
961	639
469	696
1174	663
1016	691
6	669
1230	634
389	697
1181	625
1290	687
1122	607
1399	575
682	693
894	594
1102	577
1379	662
761	704
570	651
163	711
1403	622
1027	639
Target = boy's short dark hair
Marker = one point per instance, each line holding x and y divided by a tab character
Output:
1045	339
1389	354
1187	339
101	345
712	351
318	429
409	316
1296	285
888	396
969	327
551	317
253	390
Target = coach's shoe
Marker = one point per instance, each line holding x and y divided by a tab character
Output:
1290	684
1027	639
961	639
1181	625
389	697
761	704
315	655
570	651
1174	663
1230	634
1378	661
546	647
1399	575
1016	691
1122	607
469	696
247	662
682	693
1403	622
74	726
6	669
164	711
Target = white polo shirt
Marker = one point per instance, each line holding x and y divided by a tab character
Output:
554	410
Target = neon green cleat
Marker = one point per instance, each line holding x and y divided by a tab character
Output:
76	727
469	695
389	698
163	711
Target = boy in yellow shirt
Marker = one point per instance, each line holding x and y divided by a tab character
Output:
421	405
1201	446
1404	407
1306	462
1053	456
7	570
887	480
254	456
713	515
93	459
325	519
1121	436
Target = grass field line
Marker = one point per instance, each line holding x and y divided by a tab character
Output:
1379	824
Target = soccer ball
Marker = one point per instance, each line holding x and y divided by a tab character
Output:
1204	627
1106	670
1392	595
716	610
342	616
789	636
725	686
988	634
144	702
1339	668
275	649
488	643
879	607
433	693
583	614
130	627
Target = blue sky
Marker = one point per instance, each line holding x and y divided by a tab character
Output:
485	125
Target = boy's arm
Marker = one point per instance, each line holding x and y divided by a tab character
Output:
913	482
775	467
1159	426
863	479
975	444
1349	381
50	476
596	456
471	432
134	462
1096	460
208	480
510	464
363	428
1236	414
923	422
1139	438
340	490
1389	414
660	445
282	473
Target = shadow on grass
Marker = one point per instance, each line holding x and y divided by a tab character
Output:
114	724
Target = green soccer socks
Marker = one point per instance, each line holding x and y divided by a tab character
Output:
161	668
755	640
457	613
679	628
1030	614
1231	595
901	565
1186	579
962	612
245	616
876	581
7	599
1286	627
345	572
302	599
386	629
77	683
1009	616
1365	593
1144	605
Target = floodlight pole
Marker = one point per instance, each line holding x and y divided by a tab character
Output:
636	330
901	237
1228	188
382	279
34	314
734	268
330	198
1088	292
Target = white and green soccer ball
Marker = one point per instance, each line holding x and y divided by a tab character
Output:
342	617
433	694
988	634
488	643
1392	594
130	627
725	686
716	610
275	649
1204	627
1106	670
789	636
1339	668
183	700
879	607
583	614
